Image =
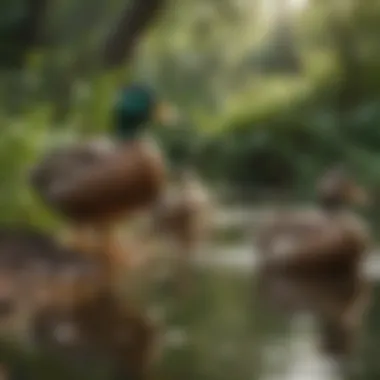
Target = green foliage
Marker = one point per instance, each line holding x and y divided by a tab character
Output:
13	19
239	125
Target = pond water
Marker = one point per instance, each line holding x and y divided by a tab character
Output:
219	329
222	331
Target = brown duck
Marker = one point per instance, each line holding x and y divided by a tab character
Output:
183	215
312	260
96	184
182	210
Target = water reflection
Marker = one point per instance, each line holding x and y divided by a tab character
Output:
221	330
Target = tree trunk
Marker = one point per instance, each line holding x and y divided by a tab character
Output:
19	34
34	25
135	19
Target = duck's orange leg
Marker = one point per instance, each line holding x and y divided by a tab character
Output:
118	256
111	253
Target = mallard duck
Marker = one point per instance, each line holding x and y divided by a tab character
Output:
96	184
311	260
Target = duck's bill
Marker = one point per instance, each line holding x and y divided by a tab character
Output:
166	114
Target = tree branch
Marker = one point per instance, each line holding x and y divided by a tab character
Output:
34	25
135	19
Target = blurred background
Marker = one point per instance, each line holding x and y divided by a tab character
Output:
270	93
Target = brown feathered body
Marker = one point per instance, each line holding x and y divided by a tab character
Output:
312	260
96	182
183	215
183	210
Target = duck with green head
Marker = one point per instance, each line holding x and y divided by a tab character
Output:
96	185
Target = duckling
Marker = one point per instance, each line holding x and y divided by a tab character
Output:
182	209
96	184
312	260
183	214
